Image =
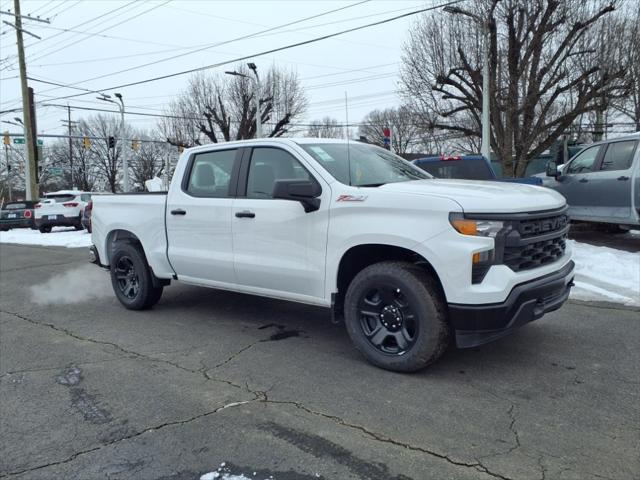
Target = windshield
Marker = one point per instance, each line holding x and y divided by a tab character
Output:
363	165
465	169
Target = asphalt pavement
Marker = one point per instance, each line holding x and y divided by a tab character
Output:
274	390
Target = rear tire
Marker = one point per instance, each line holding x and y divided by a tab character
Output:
45	229
78	227
396	317
132	278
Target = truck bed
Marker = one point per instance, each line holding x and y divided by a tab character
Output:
142	214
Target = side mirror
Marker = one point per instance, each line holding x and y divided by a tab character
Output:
304	191
552	169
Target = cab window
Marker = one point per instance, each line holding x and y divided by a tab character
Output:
268	165
211	174
585	161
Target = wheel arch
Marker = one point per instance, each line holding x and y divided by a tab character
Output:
117	235
358	257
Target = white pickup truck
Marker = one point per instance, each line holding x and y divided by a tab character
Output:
410	262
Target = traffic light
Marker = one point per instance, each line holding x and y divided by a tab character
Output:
6	140
112	142
86	143
135	145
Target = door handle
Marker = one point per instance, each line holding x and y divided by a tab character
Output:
178	211
583	180
623	177
245	214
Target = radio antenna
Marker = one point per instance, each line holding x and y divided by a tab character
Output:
346	132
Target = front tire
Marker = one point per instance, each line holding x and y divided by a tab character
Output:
396	316
45	229
132	279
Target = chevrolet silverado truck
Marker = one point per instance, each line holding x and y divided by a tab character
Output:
411	263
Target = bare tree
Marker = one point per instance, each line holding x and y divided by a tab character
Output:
147	161
630	39
406	132
106	161
545	70
327	127
216	108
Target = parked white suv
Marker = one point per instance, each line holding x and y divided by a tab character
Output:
410	261
62	208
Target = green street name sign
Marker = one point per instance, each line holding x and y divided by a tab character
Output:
55	171
21	141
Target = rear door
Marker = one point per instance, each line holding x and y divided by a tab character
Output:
277	245
198	218
610	184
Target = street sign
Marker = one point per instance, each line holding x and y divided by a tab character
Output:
55	171
21	141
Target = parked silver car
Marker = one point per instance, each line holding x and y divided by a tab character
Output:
602	182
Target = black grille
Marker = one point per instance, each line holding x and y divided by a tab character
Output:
536	240
536	254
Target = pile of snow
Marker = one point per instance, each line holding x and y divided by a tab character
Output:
223	473
606	274
59	237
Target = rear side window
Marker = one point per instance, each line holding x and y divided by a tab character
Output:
619	155
268	165
85	197
211	174
584	162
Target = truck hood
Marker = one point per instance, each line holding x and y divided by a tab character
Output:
479	196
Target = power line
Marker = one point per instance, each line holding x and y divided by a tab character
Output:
103	30
267	52
206	47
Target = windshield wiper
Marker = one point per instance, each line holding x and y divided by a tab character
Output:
371	184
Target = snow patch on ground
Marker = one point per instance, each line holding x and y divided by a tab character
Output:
59	237
606	274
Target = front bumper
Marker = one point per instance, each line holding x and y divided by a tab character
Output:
478	324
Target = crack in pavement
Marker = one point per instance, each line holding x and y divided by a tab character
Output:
477	465
133	353
128	437
260	397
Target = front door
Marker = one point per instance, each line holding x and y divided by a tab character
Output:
277	245
574	182
199	219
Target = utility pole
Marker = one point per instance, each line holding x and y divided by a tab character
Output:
28	111
70	124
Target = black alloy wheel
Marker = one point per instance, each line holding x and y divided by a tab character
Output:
396	316
127	278
131	277
388	320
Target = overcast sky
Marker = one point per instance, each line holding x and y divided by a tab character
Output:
129	34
